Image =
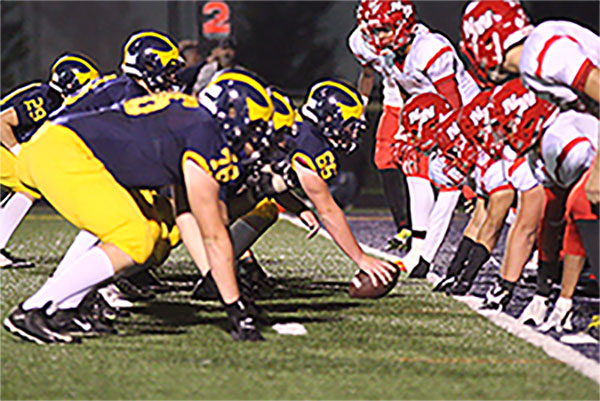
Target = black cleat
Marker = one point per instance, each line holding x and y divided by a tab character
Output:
134	291
496	299
245	330
420	270
35	326
459	288
206	289
243	323
8	261
444	284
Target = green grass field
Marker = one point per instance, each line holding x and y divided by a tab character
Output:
410	345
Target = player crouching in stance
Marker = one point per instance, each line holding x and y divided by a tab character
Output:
557	60
330	119
145	142
23	111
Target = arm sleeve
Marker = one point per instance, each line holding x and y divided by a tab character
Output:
441	69
291	202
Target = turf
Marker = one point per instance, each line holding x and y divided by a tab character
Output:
410	345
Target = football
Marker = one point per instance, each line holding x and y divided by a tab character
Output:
362	287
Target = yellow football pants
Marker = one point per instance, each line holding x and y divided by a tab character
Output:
64	170
8	173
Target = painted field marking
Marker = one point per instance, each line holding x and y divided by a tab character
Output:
549	345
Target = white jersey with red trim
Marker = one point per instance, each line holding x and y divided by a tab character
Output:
568	149
519	175
432	59
490	176
380	63
556	59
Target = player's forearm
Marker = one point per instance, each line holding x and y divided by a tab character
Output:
592	85
192	239
335	223
8	138
366	81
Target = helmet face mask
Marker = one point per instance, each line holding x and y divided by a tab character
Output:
336	109
70	72
154	58
387	23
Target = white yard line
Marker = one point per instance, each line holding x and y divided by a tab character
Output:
549	345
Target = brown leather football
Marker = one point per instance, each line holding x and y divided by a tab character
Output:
362	287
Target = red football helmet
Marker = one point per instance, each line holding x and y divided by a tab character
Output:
395	16
475	124
460	151
518	116
420	118
488	29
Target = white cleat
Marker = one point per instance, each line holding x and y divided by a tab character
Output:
560	318
114	297
535	312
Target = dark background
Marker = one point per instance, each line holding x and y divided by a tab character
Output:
289	43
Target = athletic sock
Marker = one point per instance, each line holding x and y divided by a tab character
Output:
547	273
76	280
81	244
11	216
460	257
477	257
395	191
439	221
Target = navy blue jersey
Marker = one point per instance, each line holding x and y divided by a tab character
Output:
313	151
144	141
101	92
32	103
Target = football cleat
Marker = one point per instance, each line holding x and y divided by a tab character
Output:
35	326
401	241
459	288
535	312
444	284
420	270
587	336
243	325
8	261
205	289
496	298
114	297
560	318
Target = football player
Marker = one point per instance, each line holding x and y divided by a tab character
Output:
395	186
557	60
330	119
150	60
421	61
22	111
108	151
267	180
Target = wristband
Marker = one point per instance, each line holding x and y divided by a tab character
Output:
15	149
